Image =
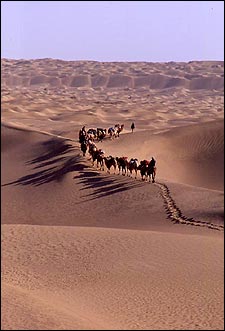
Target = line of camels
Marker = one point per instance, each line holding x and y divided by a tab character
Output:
147	168
147	171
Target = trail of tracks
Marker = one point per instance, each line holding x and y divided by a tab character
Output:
175	214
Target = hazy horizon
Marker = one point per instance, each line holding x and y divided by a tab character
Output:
113	31
109	61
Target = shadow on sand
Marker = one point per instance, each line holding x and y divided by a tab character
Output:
102	186
52	155
57	166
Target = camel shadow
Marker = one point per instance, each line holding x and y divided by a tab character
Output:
102	186
52	151
55	160
52	148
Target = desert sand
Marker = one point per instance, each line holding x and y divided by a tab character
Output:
83	249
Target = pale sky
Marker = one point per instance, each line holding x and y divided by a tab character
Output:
152	31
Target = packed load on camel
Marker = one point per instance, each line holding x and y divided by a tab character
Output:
99	134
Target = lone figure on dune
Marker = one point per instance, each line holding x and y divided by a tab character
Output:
132	127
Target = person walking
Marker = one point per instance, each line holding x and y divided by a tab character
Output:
132	127
152	162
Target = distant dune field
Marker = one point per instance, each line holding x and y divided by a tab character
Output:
84	249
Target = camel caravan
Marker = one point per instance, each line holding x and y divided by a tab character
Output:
127	167
99	134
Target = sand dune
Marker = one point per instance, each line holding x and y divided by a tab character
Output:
154	81
85	250
98	278
116	75
191	159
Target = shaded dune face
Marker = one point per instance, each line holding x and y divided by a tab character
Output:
113	74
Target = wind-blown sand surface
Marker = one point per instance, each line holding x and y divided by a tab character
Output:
84	249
